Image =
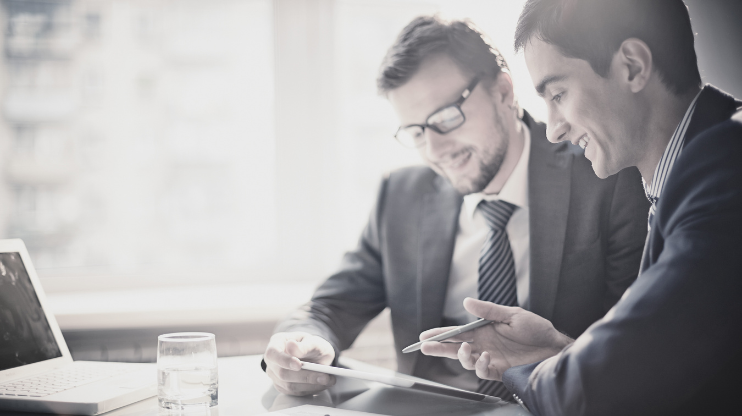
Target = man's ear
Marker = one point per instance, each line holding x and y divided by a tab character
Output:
501	89
634	63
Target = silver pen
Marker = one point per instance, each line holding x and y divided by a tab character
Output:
448	334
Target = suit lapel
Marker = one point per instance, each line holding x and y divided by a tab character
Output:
438	226
713	107
549	171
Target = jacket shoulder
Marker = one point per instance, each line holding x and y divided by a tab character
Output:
719	144
707	175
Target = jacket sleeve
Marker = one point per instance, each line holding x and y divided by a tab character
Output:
674	335
342	306
627	228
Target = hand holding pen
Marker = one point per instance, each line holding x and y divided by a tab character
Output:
512	337
446	335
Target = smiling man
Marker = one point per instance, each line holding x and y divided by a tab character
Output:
498	213
620	79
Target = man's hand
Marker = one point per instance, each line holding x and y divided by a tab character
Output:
282	356
516	337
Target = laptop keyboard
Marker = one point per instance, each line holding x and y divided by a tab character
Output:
59	380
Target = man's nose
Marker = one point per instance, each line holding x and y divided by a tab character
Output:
557	128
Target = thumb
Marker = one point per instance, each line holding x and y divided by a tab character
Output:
488	310
297	349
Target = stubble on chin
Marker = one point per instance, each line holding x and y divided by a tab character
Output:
489	168
489	164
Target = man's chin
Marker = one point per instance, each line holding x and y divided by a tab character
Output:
466	187
464	190
602	171
599	173
466	184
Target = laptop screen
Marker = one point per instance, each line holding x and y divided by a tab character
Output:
25	334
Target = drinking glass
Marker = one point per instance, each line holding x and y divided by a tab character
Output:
187	375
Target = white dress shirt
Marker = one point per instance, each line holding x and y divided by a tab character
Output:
472	231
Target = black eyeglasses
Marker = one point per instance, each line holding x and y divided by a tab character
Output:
442	121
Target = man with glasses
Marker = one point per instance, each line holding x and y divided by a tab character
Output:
498	214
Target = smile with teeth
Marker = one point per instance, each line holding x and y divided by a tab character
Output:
583	141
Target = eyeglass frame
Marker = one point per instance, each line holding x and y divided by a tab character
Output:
456	104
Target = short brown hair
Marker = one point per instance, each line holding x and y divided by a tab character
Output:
428	36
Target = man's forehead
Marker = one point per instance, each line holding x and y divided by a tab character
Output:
440	69
547	64
438	81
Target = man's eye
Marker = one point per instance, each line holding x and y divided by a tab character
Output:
557	98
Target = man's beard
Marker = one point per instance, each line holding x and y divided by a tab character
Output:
489	164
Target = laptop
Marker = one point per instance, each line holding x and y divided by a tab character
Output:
37	373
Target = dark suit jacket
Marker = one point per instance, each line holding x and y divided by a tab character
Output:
586	240
673	344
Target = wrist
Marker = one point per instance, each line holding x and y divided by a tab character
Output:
561	341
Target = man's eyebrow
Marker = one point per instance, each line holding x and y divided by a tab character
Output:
541	87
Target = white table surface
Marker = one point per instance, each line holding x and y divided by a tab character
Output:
244	390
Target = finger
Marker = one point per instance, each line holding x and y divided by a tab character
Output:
276	356
435	331
465	356
311	349
482	367
440	349
488	310
305	350
298	349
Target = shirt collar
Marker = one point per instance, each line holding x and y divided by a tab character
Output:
672	151
515	189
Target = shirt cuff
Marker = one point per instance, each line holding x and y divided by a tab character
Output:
516	380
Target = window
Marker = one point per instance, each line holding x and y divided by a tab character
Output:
140	139
189	142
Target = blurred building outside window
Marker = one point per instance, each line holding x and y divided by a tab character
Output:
183	164
166	144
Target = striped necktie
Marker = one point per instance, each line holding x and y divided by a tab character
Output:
497	272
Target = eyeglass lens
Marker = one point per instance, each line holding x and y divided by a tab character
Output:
447	119
443	121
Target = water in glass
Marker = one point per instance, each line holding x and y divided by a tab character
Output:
187	373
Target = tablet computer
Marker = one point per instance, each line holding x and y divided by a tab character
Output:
409	383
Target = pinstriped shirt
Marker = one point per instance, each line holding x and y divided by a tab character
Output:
663	169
